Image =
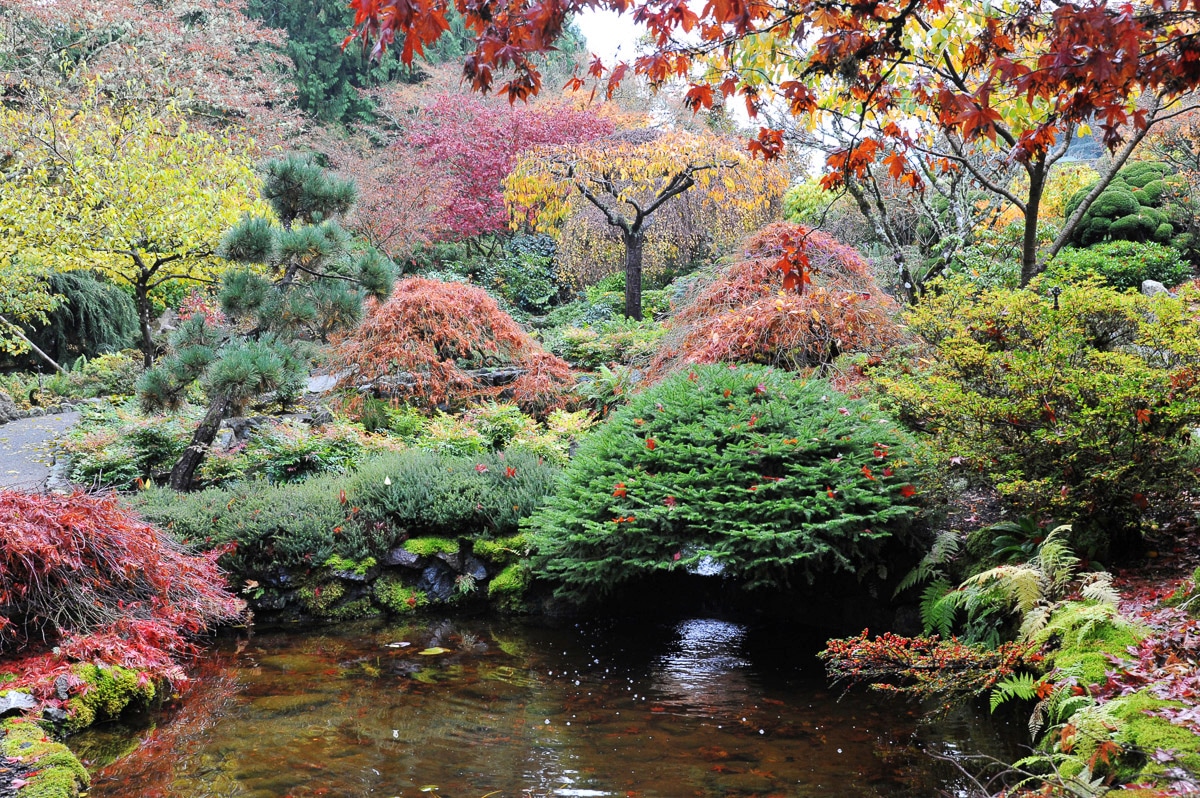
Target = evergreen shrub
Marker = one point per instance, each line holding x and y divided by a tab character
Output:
423	493
1125	264
776	479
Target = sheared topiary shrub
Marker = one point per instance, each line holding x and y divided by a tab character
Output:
776	479
1080	409
92	580
741	313
430	334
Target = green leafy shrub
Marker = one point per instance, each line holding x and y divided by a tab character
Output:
423	493
291	451
618	340
772	478
1125	264
1083	412
294	526
113	447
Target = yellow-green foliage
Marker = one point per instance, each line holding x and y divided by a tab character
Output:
1145	734
1087	632
59	774
508	587
397	597
351	610
319	599
109	691
428	547
502	550
360	567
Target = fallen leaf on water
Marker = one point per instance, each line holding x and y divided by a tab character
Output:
429	652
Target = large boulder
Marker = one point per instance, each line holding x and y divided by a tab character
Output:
8	408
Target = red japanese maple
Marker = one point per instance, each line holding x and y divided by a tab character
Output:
89	578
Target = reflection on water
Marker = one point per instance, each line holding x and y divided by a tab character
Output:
472	708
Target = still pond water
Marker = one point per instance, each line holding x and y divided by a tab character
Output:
471	708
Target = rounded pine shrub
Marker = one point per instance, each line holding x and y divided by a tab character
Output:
775	479
742	314
429	335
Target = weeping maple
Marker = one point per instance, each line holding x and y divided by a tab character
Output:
1023	77
83	579
747	312
430	340
631	178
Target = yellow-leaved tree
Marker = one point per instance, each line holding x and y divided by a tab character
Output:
630	178
134	193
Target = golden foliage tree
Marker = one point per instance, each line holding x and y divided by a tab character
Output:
135	194
631	179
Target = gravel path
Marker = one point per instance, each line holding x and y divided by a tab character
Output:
26	449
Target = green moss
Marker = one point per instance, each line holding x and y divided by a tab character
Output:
109	691
319	599
1086	633
396	597
351	610
502	550
59	774
360	567
1146	734
508	587
428	547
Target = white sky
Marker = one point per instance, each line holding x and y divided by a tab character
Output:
609	34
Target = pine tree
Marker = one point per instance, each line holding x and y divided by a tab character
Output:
310	282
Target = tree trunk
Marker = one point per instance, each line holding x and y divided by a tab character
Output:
142	297
1029	243
17	332
185	470
634	244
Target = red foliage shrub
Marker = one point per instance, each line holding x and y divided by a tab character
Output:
742	314
88	577
430	335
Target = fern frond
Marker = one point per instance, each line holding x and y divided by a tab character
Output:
1034	621
1098	587
939	606
1056	559
945	546
1021	685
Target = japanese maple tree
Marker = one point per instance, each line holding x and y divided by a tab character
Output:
473	144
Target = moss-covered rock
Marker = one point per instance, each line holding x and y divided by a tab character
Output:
508	587
1144	734
502	551
396	597
56	773
107	692
1086	634
431	546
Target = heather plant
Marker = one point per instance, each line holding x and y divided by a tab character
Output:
1077	406
423	493
776	480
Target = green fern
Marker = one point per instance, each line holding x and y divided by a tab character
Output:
939	606
1021	686
945	547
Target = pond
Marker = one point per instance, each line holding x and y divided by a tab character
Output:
473	708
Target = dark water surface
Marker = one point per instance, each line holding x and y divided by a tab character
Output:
700	707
